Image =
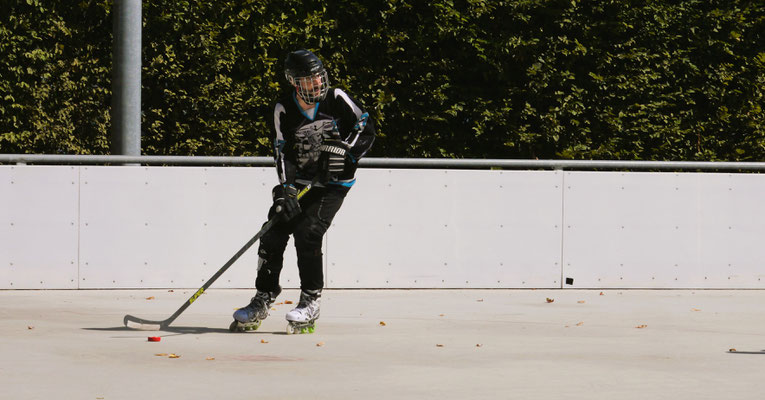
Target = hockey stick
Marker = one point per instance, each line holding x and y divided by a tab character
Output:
145	324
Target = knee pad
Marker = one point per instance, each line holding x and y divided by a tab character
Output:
310	234
309	253
269	258
270	246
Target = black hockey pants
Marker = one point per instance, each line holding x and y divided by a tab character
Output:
319	207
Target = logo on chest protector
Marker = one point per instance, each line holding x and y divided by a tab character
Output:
308	139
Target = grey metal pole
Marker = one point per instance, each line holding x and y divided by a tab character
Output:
126	78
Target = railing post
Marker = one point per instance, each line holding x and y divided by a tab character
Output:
126	79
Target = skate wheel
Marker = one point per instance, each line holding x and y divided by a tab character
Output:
300	328
233	327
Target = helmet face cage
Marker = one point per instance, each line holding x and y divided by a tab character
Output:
311	88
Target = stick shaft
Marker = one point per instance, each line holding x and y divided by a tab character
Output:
223	269
266	227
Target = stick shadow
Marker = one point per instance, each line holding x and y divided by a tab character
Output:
177	330
747	352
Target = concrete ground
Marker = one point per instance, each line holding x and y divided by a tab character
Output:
389	344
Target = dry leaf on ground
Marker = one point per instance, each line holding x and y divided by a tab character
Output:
549	300
173	356
580	324
210	358
382	323
287	301
263	341
641	326
161	354
319	344
150	298
439	345
580	301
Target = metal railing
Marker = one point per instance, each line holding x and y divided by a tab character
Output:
415	163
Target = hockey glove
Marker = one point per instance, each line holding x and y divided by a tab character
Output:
286	202
332	159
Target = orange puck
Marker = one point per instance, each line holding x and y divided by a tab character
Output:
154	338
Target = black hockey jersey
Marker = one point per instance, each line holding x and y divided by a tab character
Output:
299	134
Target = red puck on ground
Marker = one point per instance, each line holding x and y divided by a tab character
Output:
154	338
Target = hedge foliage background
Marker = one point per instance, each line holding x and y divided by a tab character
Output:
600	79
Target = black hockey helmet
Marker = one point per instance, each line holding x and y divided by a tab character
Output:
306	73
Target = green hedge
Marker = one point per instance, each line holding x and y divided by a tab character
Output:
606	79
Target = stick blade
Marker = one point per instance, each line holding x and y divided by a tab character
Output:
142	324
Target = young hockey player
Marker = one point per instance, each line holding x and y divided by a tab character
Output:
320	135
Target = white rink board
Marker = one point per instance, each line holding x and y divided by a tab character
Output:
664	230
448	229
155	227
64	227
38	227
